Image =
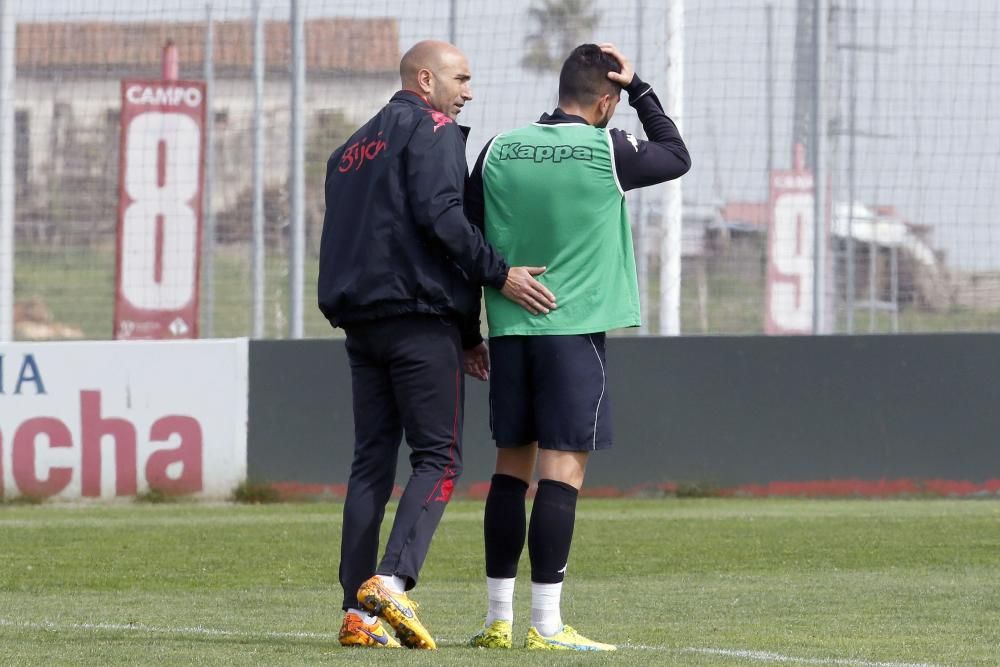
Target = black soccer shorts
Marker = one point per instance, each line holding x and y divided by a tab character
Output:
552	389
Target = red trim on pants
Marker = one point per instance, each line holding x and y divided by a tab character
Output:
447	481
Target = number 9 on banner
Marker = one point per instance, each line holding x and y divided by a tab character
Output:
790	254
792	263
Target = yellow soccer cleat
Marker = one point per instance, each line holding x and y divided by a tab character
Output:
566	639
355	632
398	610
498	635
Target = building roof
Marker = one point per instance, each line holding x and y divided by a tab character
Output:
751	213
368	46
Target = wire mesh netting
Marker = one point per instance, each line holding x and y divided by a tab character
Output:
889	103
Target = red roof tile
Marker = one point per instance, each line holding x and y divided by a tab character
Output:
751	213
338	44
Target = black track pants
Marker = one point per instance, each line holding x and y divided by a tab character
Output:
407	377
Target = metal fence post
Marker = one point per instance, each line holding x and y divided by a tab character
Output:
819	131
257	268
208	238
641	233
297	229
673	226
8	57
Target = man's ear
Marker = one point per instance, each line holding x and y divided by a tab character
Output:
603	104
424	77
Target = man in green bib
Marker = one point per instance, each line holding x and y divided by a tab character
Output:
553	194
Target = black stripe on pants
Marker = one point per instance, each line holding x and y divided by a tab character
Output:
406	376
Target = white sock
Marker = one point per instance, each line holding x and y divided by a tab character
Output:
365	616
545	608
393	583
500	593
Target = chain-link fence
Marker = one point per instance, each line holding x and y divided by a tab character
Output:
889	101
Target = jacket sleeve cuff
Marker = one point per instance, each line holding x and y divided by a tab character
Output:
500	278
637	89
471	338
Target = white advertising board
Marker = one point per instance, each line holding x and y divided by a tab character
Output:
113	419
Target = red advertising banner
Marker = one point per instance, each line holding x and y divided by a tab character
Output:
161	178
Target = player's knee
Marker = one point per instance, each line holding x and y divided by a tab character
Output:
436	462
566	467
517	462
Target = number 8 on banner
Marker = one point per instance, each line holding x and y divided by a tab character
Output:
160	229
159	219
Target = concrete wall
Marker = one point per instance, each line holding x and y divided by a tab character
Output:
728	411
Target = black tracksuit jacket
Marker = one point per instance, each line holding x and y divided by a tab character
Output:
395	238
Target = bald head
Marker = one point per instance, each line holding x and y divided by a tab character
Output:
428	54
439	72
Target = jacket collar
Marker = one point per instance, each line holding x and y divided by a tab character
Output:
420	101
558	117
411	97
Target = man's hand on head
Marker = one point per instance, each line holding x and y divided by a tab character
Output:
623	78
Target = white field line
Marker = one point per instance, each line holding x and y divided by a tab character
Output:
756	656
49	626
132	521
766	656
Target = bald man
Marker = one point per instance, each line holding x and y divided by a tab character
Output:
400	270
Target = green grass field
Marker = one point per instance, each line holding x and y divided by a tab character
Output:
673	582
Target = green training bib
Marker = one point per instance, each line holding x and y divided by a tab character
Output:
553	199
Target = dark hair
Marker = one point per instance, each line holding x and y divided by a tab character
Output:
584	75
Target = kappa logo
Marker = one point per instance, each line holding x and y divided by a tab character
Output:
539	154
632	140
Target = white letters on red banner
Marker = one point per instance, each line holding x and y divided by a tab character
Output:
159	221
105	420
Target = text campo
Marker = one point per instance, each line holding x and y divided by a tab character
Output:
164	96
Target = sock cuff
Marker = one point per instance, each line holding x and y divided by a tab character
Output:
508	484
560	488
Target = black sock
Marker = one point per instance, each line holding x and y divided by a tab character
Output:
504	526
551	530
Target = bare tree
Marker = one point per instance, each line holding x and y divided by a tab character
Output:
560	26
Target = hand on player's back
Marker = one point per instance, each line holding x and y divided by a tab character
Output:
522	288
